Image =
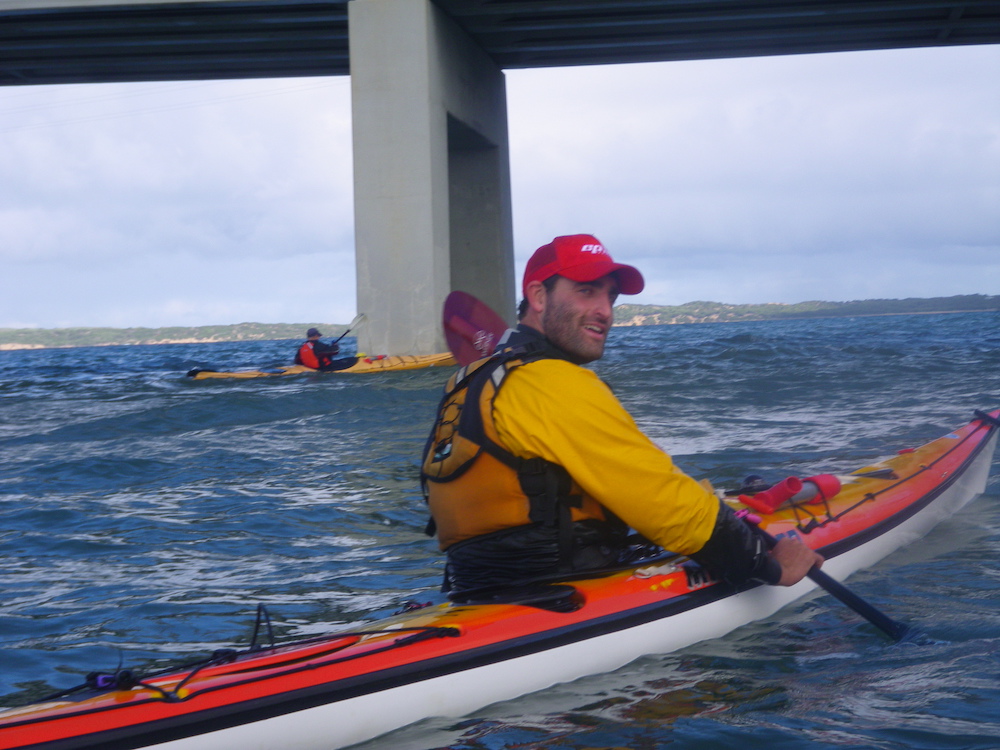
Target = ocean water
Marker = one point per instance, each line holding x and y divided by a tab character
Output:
143	516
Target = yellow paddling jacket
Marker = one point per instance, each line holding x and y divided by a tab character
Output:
526	440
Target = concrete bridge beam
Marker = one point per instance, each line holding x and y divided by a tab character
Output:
431	173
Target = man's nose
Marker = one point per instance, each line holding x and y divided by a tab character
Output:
606	305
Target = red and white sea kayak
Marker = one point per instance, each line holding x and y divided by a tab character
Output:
450	659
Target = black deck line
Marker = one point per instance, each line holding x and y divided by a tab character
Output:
245	712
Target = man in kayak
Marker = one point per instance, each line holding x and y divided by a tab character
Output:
535	469
314	353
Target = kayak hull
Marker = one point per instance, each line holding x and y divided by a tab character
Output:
450	659
362	365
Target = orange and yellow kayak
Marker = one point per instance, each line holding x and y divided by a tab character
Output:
351	365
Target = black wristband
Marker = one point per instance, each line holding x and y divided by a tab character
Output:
735	553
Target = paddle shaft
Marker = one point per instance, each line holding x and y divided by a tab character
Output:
892	628
350	327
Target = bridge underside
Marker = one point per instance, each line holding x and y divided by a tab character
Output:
432	186
86	41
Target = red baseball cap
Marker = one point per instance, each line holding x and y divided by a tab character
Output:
579	257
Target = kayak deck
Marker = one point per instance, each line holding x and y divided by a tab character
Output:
883	493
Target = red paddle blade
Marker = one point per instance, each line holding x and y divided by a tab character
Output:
471	328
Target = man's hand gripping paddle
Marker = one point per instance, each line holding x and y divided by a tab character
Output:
895	630
814	490
471	328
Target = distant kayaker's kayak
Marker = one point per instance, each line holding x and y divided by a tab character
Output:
347	365
451	658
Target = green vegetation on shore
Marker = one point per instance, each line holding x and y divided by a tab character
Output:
45	338
715	312
692	312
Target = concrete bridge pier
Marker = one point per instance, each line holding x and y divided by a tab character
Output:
431	173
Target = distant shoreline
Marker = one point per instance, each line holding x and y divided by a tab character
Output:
629	324
19	347
626	315
12	339
714	312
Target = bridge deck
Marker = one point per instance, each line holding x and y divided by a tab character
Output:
80	41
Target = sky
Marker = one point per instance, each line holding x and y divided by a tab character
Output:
862	175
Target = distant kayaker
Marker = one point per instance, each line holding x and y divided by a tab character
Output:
548	474
314	353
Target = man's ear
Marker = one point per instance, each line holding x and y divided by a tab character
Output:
536	294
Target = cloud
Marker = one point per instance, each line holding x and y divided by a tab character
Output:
779	174
158	204
839	176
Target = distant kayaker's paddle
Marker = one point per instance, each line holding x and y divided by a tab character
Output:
358	320
471	328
